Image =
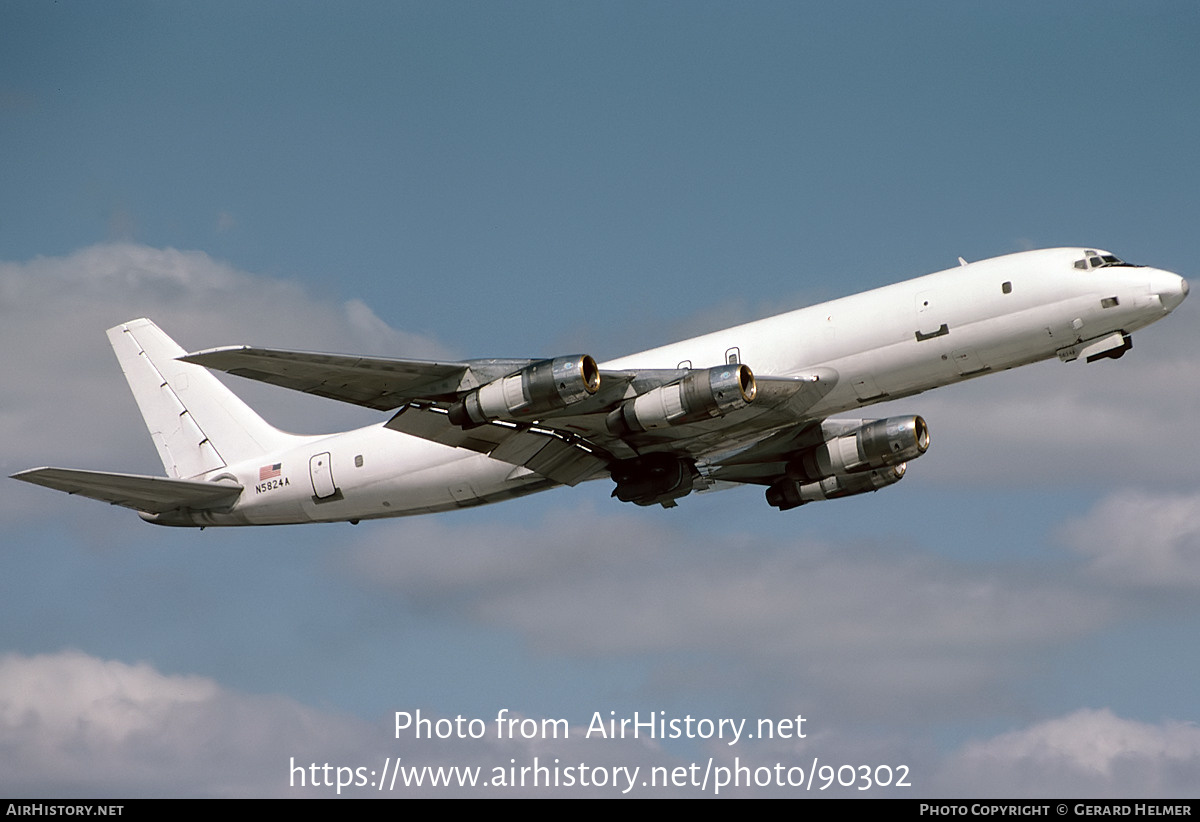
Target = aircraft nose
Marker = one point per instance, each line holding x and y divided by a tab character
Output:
1170	288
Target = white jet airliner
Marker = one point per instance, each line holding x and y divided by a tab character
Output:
660	424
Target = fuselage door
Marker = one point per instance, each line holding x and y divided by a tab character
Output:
321	472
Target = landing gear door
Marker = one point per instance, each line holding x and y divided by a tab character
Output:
321	472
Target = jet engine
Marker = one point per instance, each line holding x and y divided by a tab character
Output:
703	393
544	386
786	494
875	444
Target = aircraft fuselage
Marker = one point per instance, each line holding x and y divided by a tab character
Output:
883	344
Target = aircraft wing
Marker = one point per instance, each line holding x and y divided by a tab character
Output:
579	444
374	382
155	495
564	419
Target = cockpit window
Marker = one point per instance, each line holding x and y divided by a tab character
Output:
1099	259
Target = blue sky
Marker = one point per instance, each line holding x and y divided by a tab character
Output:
471	179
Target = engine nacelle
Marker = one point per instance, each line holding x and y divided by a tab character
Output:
703	393
876	444
544	386
653	479
787	494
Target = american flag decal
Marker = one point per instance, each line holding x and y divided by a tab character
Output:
269	471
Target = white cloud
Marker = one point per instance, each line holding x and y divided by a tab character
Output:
1089	752
75	725
1142	539
847	628
72	724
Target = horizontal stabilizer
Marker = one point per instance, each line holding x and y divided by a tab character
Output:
155	495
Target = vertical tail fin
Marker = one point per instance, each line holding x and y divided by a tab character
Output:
197	423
